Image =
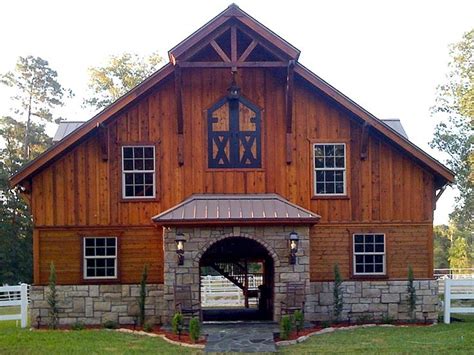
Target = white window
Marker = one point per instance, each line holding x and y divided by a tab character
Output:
369	254
330	169
138	172
100	258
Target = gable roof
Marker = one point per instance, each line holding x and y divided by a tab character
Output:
442	173
236	208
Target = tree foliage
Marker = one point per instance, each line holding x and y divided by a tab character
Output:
37	92
121	74
454	108
23	139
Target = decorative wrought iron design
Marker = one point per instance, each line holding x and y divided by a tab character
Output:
234	133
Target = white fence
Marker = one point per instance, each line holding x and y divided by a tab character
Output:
460	290
217	291
15	296
453	274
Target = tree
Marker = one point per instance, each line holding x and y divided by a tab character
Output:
37	93
459	257
121	74
442	236
454	107
16	224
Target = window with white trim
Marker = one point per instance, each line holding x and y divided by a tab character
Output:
330	169
138	172
369	254
100	257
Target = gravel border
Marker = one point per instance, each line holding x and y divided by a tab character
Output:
162	336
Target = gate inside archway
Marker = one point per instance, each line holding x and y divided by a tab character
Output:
242	240
237	278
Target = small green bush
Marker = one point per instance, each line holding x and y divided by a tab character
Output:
285	327
78	326
194	329
386	319
411	293
52	298
110	324
142	297
148	327
177	323
337	293
364	319
298	319
325	324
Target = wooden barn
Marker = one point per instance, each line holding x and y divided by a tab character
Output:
233	160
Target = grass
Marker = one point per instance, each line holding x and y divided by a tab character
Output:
457	337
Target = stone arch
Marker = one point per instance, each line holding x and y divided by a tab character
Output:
268	248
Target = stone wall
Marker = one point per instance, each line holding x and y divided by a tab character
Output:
374	300
95	304
273	238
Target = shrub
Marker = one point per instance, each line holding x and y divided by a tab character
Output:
298	319
337	293
364	319
53	298
110	324
78	326
285	327
411	293
194	329
177	323
148	327
142	297
325	324
386	319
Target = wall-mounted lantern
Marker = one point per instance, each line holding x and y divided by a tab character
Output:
180	239
293	243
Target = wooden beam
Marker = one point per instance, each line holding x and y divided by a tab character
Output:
289	89
439	193
364	141
233	46
104	142
249	50
219	51
179	113
279	64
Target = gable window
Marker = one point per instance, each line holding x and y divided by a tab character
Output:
369	254
138	172
330	169
234	134
100	257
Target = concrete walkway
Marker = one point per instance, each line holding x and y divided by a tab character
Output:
240	337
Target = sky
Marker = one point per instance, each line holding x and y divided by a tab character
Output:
388	56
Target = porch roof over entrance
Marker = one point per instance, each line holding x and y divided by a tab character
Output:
236	209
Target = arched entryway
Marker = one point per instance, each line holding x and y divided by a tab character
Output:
237	279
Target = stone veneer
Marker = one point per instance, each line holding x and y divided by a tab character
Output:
273	238
374	299
96	304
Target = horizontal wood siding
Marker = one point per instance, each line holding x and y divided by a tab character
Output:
137	247
405	245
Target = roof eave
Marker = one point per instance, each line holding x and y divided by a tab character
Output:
48	156
378	124
236	221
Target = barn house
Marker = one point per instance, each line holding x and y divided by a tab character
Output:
235	160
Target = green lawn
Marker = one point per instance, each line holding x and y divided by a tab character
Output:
457	337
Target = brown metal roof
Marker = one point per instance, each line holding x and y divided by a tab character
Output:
236	209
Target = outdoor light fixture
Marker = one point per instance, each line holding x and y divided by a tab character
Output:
293	241
233	92
180	239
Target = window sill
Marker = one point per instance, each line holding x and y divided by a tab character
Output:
141	199
100	281
369	277
329	197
